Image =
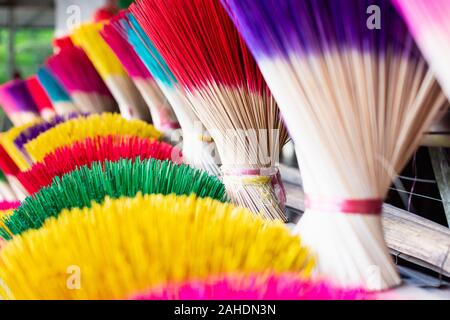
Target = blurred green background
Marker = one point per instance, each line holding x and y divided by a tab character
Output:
32	47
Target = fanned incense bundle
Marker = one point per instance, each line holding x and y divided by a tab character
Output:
283	286
61	101
429	22
198	148
126	246
163	117
123	178
7	141
357	100
16	101
40	98
98	149
79	129
131	103
228	93
39	128
79	77
10	187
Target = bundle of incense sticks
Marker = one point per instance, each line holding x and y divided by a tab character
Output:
198	148
429	22
40	98
141	235
18	104
62	103
131	102
357	97
228	93
81	128
96	149
163	117
72	67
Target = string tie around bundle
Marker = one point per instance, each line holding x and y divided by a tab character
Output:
205	138
258	176
348	206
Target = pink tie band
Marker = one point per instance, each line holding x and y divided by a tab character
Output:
350	206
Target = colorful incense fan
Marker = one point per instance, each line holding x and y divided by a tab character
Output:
81	128
34	131
263	286
98	149
123	178
125	246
